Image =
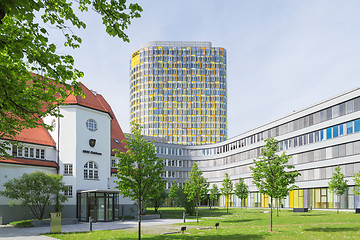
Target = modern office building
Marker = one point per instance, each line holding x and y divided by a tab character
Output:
178	91
318	138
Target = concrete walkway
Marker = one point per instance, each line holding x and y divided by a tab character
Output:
33	233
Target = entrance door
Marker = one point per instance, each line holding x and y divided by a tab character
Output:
100	208
92	207
109	208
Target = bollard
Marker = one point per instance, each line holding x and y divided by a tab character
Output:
122	212
90	224
184	216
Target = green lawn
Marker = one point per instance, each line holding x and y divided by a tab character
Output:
244	224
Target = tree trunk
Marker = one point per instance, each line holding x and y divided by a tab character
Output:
271	215
338	205
139	219
227	205
277	207
197	212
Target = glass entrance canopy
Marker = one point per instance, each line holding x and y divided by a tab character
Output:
100	204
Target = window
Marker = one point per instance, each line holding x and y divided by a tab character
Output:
349	106
91	170
91	125
328	133
19	151
357	125
68	169
335	131
349	127
113	163
68	191
28	152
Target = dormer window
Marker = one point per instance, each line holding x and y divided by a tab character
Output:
28	152
91	125
116	141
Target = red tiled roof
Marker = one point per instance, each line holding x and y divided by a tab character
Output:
32	162
90	100
116	132
41	136
38	135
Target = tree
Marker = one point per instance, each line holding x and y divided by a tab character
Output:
139	170
25	49
188	205
196	187
270	173
226	190
158	198
214	194
174	194
357	183
337	184
241	190
36	190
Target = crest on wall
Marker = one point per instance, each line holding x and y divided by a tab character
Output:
92	142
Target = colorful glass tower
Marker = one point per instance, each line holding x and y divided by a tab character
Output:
178	91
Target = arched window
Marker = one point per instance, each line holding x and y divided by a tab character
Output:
91	170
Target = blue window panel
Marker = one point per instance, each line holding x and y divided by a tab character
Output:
335	131
349	127
328	133
341	129
357	125
321	135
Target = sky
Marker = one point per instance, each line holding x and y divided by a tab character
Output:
282	56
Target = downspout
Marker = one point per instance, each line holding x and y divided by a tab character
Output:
58	142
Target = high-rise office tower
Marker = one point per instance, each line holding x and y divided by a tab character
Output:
178	91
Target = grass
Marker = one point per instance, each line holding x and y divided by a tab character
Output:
243	224
22	223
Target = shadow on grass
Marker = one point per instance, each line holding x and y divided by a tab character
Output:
170	236
206	237
333	229
240	220
311	215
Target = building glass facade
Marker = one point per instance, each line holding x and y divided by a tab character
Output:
178	91
317	138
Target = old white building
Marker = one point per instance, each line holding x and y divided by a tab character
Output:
80	148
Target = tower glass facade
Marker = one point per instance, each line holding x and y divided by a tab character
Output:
178	91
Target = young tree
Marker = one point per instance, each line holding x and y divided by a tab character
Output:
271	174
25	48
357	183
214	194
241	190
196	187
226	190
174	194
338	185
139	170
37	190
158	198
183	198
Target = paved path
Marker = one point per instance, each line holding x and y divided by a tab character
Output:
33	233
